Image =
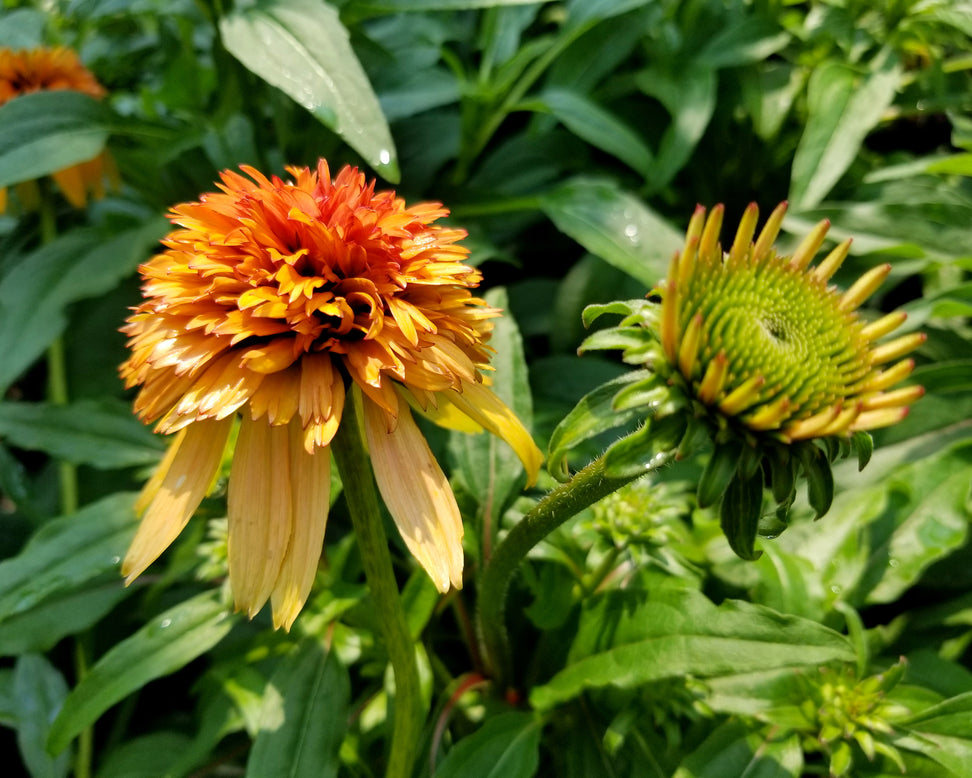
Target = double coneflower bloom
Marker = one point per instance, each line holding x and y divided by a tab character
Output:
278	302
46	69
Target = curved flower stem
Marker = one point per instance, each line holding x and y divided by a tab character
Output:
360	493
584	489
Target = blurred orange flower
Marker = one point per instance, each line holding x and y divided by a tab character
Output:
283	300
43	69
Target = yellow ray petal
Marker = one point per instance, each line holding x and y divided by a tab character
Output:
445	414
311	488
417	494
260	512
482	406
188	470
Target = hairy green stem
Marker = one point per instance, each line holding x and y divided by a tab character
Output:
360	494
584	489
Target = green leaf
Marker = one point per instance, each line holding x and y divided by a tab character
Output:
165	644
735	749
43	132
399	6
843	107
66	553
39	690
34	295
718	472
66	612
594	414
598	126
22	28
148	756
506	746
747	39
689	95
740	512
629	638
614	225
304	716
100	433
301	47
487	467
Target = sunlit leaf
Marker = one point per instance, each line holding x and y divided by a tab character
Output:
66	553
506	746
166	643
34	295
843	108
39	689
101	433
302	48
304	716
735	749
614	225
43	132
626	639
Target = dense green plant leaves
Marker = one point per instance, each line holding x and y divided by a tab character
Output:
301	47
66	553
101	433
304	715
586	119
34	295
734	749
594	414
843	106
506	746
917	516
39	690
65	612
615	226
44	132
487	466
166	643
689	95
744	40
145	757
629	638
22	28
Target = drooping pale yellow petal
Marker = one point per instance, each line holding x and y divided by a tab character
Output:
310	476
151	487
188	471
260	512
481	405
443	413
417	494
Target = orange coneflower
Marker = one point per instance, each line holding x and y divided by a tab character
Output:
282	300
43	69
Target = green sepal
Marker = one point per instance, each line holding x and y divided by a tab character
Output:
833	448
718	472
820	478
864	444
740	514
782	474
652	395
750	458
645	449
618	338
643	309
697	435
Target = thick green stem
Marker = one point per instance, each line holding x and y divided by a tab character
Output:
360	493
584	489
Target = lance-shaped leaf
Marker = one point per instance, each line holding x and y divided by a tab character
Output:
301	47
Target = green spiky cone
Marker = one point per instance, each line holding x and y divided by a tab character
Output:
758	354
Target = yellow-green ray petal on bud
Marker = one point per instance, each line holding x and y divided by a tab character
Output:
812	426
864	287
884	417
770	415
842	422
709	243
883	326
888	378
688	351
832	262
895	399
744	236
898	347
714	379
809	246
769	233
743	396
